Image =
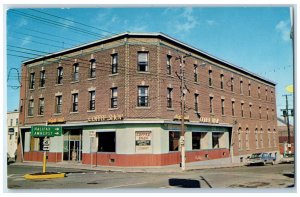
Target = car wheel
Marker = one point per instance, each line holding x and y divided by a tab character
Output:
264	163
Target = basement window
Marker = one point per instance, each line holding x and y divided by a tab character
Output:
107	142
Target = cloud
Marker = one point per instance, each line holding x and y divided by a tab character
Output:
22	22
210	22
284	29
26	41
137	28
186	21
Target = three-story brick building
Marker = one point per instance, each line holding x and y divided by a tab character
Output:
118	101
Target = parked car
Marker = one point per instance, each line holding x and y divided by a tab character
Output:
287	158
260	158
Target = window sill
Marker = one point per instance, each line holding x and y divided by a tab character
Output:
197	83
112	109
41	88
170	109
30	116
112	75
57	114
92	78
74	82
142	108
74	112
59	84
40	115
210	86
143	72
172	76
91	111
31	89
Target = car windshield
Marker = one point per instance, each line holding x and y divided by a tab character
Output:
256	155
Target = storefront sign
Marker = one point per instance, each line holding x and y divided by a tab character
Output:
143	142
56	120
100	118
178	117
209	120
11	131
45	131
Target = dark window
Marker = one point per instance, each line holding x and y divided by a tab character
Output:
58	104
36	143
242	109
258	92
75	102
232	108
210	78
114	98
216	139
114	64
32	81
266	94
41	106
196	103
75	72
42	78
143	61
92	68
250	111
143	100
232	83
17	121
173	141
195	73
30	107
107	142
259	112
169	98
169	67
223	106
222	81
60	73
267	113
211	104
92	100
196	137
241	87
249	89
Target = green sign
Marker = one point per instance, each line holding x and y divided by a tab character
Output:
46	131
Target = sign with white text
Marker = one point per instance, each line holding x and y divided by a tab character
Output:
143	142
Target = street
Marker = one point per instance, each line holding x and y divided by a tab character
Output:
269	176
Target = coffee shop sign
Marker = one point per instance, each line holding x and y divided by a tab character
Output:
209	120
100	118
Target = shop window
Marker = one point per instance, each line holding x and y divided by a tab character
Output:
32	81
107	142
143	100
36	143
174	141
60	72
42	79
216	139
143	61
75	72
41	106
92	100
58	104
114	65
196	137
92	68
114	98
169	67
169	97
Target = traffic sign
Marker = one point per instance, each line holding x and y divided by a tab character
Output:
46	131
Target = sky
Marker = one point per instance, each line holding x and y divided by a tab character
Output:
254	38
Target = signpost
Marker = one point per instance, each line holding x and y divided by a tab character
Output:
46	132
92	136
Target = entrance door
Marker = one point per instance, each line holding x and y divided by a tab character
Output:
75	150
72	146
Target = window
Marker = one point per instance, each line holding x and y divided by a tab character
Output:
222	81
195	73
258	92
274	138
231	84
75	102
210	78
114	65
267	113
32	81
30	107
169	67
241	87
143	100
250	111
36	143
261	138
173	141
196	103
266	94
240	139
256	138
75	72
114	98
269	137
169	98
42	79
216	139
143	61
92	68
249	89
58	103
273	114
211	104
247	139
242	109
223	106
11	122
17	121
92	100
41	106
259	111
106	141
271	95
232	108
60	73
196	137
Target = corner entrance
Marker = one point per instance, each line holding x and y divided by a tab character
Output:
73	145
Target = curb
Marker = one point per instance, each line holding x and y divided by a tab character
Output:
44	176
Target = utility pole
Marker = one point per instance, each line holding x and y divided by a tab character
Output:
286	114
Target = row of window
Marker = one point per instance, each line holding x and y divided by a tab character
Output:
12	120
259	141
142	101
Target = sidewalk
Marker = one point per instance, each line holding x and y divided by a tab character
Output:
154	169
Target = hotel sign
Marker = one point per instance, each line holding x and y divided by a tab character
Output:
143	142
178	117
209	120
56	120
101	118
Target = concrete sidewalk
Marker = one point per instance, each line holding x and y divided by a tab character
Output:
154	169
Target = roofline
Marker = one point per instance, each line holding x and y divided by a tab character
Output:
151	34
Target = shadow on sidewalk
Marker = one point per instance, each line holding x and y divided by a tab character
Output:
184	183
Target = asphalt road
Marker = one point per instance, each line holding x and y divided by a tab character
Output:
270	176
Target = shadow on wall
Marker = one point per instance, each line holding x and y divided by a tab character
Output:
184	183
